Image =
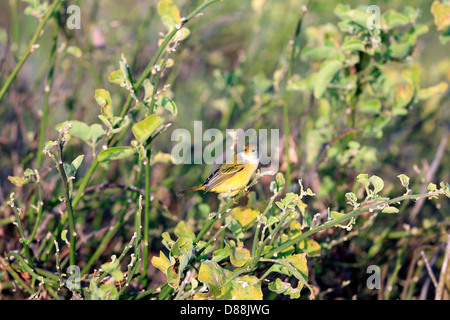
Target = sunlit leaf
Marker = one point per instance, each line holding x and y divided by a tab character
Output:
115	153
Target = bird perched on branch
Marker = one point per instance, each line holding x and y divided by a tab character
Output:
232	176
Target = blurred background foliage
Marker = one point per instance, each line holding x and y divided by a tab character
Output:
230	73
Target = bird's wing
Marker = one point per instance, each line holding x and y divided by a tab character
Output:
227	170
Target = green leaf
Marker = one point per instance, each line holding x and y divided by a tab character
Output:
169	105
351	197
322	52
370	106
148	90
404	96
390	210
161	262
118	77
221	254
239	256
18	181
96	132
115	153
143	129
399	50
71	169
64	235
363	179
377	183
353	45
431	187
79	129
183	230
404	179
110	266
281	287
74	50
326	73
245	217
77	162
117	275
103	98
182	250
395	19
166	240
427	93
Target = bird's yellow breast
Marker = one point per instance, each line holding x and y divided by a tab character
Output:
234	184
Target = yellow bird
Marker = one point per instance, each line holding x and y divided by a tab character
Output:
232	177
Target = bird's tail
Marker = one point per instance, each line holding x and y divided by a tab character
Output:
195	188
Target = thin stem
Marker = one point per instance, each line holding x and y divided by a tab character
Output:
30	270
290	70
68	199
146	216
48	86
258	226
19	279
30	47
105	240
393	278
22	235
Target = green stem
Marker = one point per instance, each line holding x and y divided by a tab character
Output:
22	234
105	240
15	27
393	278
290	70
68	199
30	47
48	86
19	279
31	272
258	226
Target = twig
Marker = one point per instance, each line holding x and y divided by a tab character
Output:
443	274
67	197
430	272
431	171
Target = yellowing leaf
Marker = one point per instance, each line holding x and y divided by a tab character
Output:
244	216
441	15
169	13
103	98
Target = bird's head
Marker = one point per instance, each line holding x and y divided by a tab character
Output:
251	151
